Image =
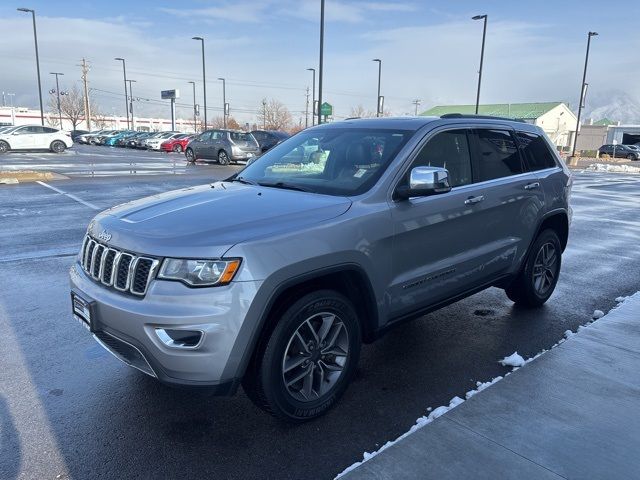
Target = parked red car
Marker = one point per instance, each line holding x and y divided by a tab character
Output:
176	144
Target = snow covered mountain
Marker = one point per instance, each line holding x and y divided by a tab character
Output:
615	105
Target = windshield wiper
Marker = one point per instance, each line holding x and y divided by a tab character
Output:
242	180
285	186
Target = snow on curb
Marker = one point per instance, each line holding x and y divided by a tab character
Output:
514	360
603	167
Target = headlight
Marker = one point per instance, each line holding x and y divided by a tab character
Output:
199	273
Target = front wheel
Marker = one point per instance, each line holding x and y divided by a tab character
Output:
538	278
223	158
58	146
631	156
300	371
4	147
191	157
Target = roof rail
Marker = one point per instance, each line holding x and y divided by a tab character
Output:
482	117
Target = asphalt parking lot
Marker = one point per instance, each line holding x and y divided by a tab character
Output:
96	161
68	409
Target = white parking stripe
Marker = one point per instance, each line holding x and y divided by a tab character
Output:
71	196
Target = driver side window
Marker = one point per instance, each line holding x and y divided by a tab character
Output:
450	150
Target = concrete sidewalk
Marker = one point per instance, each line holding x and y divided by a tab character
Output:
574	412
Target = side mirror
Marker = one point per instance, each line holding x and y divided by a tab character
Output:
425	181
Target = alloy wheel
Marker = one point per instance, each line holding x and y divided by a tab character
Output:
315	357
545	268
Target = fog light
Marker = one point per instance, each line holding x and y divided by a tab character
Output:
180	338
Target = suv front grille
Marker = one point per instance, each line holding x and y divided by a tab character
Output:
114	268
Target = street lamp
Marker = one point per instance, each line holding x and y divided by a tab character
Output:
126	100
58	94
195	120
582	91
313	96
35	39
379	77
131	103
484	35
204	80
320	63
224	102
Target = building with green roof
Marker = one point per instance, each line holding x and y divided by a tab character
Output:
555	118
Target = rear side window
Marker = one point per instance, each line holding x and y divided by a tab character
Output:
49	130
535	151
497	155
448	150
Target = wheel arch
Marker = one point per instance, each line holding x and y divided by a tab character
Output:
348	279
557	220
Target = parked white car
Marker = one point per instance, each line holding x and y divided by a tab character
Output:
35	137
153	143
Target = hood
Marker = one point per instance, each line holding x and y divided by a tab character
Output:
207	220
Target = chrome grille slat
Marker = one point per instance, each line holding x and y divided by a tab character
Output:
120	270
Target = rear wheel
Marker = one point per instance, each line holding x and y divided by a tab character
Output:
631	156
177	148
306	364
57	146
223	158
4	147
191	157
539	276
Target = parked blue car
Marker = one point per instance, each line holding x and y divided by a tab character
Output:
113	140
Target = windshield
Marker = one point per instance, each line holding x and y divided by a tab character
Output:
333	161
241	137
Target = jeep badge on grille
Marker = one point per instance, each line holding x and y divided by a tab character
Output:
104	236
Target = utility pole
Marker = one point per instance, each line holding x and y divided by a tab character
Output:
320	63
484	35
225	109
306	111
58	94
378	109
417	103
264	114
582	91
131	102
204	80
313	96
85	81
195	113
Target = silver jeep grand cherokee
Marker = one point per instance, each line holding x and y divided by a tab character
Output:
274	277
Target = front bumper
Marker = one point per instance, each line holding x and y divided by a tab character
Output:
127	327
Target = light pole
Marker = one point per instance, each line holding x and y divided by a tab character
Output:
131	103
224	102
313	96
35	39
126	100
195	120
320	63
582	88
484	35
58	94
417	103
204	80
264	114
379	78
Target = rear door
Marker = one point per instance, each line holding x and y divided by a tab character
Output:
511	200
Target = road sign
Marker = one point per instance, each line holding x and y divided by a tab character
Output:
326	109
170	94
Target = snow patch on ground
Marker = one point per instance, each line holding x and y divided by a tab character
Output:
514	360
603	167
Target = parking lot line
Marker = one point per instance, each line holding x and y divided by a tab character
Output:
71	196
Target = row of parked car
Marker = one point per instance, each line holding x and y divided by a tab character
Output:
631	152
221	145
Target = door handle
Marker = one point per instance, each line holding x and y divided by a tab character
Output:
531	186
474	200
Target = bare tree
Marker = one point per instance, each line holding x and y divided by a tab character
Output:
360	112
71	106
273	115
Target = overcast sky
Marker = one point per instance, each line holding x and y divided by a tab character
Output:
430	51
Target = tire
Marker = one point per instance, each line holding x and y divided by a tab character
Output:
177	148
4	147
539	276
191	157
223	158
57	146
317	375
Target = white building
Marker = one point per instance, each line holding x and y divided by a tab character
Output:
26	116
